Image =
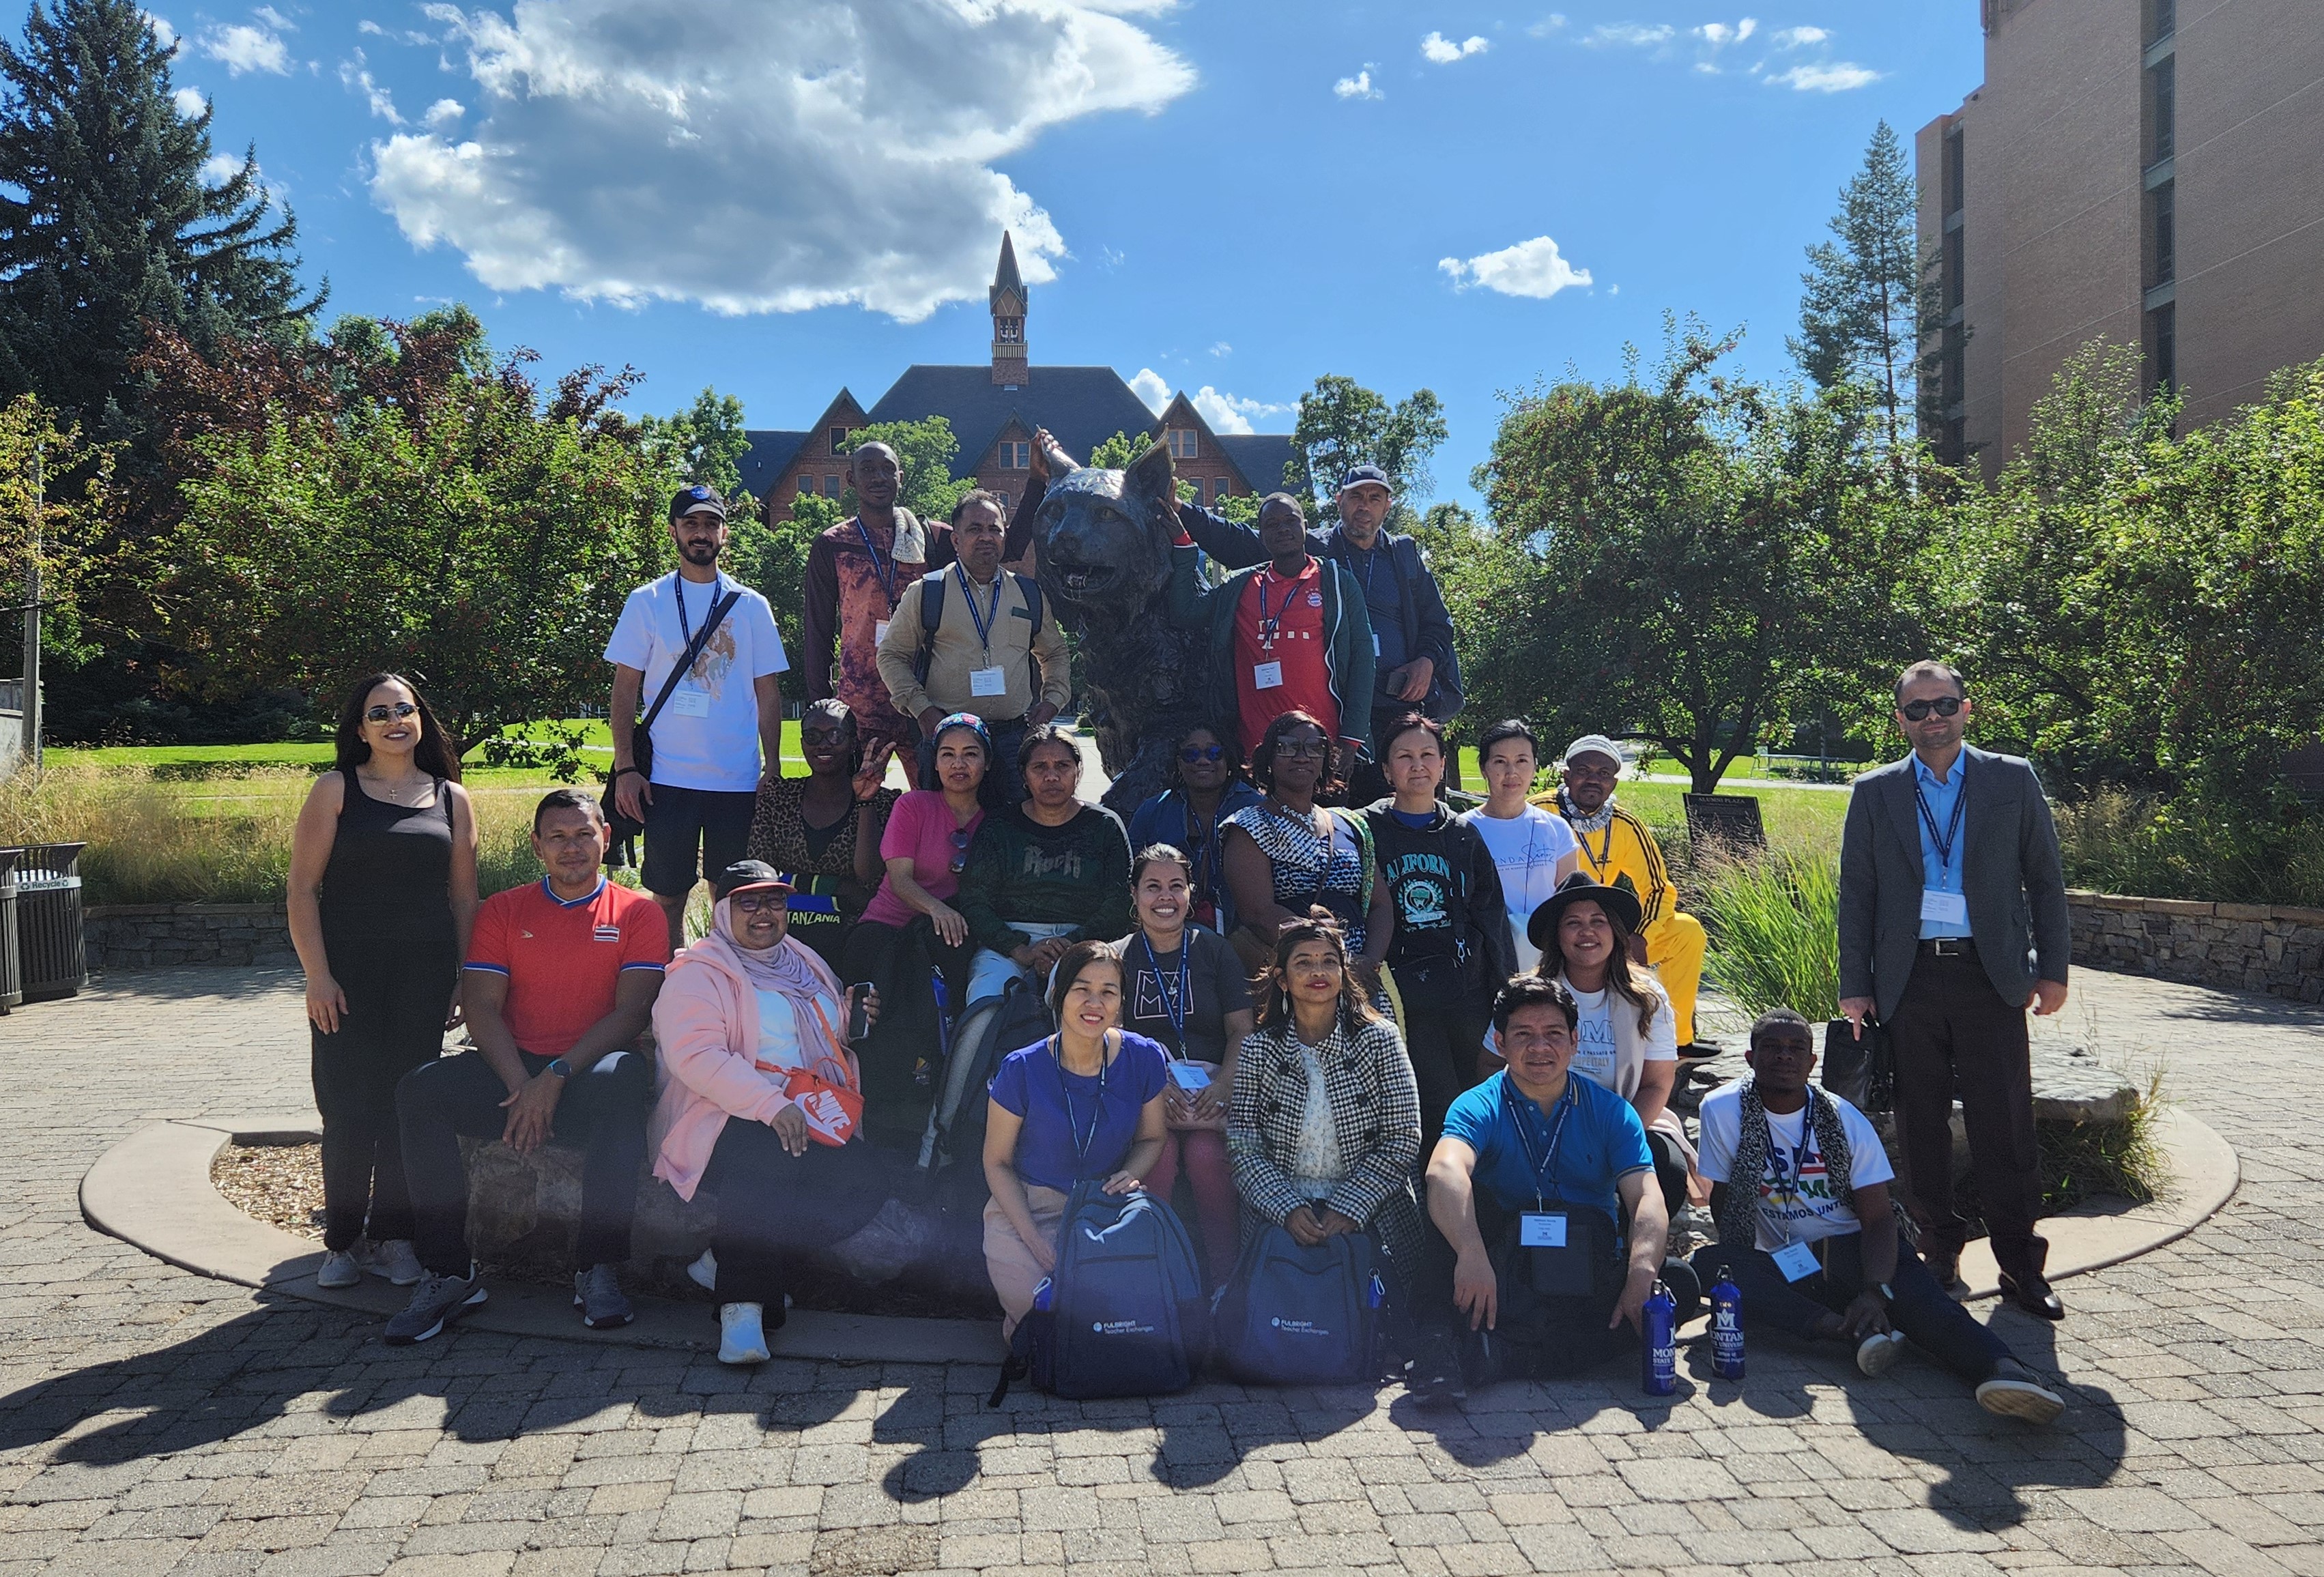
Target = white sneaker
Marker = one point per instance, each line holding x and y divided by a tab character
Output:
1876	1354
340	1270
704	1272
742	1339
395	1260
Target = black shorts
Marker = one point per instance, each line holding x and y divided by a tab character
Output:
684	826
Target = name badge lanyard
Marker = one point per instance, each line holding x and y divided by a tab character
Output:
1081	1142
882	569
1541	1166
1800	1153
1270	627
1173	1007
1943	840
685	625
984	622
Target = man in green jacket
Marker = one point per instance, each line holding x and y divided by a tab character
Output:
1289	635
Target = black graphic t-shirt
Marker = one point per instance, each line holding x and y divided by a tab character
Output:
1446	893
1214	982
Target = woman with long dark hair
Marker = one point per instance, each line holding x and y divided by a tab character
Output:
1202	785
823	830
1288	858
1324	1128
382	894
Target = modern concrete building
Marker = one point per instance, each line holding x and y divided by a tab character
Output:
2143	170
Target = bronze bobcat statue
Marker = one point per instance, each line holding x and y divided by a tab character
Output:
1102	544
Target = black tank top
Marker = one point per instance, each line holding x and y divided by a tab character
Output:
390	864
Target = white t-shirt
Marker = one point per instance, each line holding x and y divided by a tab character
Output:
1594	1050
708	737
1527	848
1797	1203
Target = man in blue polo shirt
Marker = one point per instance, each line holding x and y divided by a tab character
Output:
1531	1185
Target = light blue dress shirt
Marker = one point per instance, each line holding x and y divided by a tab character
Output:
1943	875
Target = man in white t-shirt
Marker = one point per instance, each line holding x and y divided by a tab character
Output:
724	714
1823	1261
1534	849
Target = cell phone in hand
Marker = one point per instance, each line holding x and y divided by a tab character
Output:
859	1021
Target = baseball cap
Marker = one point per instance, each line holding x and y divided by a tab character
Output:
1594	744
697	499
1359	474
746	873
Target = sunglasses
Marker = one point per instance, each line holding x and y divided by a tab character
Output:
398	711
960	838
1194	754
1944	706
1301	750
752	903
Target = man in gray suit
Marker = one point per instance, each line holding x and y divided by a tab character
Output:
1952	922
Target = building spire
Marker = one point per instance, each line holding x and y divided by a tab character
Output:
1009	300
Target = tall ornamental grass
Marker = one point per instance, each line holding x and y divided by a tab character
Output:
1774	920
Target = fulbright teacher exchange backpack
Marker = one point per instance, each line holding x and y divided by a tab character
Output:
1123	1313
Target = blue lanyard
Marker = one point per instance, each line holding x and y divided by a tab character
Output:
1173	1007
984	622
1081	1142
1270	627
882	568
1566	1105
1944	840
1371	563
685	627
1800	1153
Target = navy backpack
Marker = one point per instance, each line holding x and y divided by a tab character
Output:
1292	1315
1123	1313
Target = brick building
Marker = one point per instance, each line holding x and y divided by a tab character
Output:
2147	170
993	408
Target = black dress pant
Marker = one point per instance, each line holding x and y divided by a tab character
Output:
1952	1034
1444	1022
398	984
773	1207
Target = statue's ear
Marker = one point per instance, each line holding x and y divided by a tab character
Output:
1150	475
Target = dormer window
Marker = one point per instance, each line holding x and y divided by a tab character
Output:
1185	442
1016	456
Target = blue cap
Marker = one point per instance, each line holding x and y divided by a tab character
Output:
1359	474
697	499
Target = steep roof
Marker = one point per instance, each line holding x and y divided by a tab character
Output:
1260	457
764	462
1083	406
1006	277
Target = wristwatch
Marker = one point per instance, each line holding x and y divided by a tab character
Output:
560	1067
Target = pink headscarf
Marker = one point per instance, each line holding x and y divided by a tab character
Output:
791	968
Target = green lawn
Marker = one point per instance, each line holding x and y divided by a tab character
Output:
177	762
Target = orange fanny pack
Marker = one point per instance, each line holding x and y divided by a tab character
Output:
832	1112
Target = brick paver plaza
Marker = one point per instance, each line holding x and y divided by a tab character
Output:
153	1421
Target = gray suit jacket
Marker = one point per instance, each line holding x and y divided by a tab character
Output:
2010	874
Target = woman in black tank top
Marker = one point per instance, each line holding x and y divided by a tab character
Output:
382	893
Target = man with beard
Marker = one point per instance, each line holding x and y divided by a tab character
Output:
856	573
1619	850
696	797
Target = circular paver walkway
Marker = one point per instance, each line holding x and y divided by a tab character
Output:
154	1422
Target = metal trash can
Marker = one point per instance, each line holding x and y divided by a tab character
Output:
50	955
12	972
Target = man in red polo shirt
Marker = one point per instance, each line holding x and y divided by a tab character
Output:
561	982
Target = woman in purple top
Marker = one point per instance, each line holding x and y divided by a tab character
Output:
1082	1104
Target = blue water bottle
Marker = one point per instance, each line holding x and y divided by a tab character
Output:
1726	1328
1658	1345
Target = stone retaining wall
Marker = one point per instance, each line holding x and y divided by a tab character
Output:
2234	947
148	936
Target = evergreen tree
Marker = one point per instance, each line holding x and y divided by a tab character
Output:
1860	319
114	225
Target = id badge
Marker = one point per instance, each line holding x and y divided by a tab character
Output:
1797	1261
879	632
1944	909
987	681
1188	1076
1375	643
1267	676
688	701
1542	1230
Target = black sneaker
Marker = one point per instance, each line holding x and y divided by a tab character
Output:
1435	1376
436	1303
2015	1392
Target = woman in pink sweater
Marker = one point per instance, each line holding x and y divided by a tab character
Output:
762	1102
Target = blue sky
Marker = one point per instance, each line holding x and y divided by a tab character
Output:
1228	194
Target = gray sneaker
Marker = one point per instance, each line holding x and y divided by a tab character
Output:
394	1261
340	1270
599	1297
436	1303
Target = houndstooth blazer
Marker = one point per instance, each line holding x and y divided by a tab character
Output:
1375	1104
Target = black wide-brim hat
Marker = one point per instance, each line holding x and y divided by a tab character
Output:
1619	903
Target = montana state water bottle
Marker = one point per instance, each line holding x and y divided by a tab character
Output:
1658	1344
1726	1327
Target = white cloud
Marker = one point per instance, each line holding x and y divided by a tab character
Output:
1223	349
1554	22
754	157
1231	414
218	169
240	47
1443	51
354	74
190	103
1532	268
1827	76
1792	38
1151	387
1632	35
442	113
163	33
1359	86
1719	34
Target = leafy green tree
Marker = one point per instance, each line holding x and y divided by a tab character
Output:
1860	318
770	558
107	223
49	476
704	442
1122	451
1342	423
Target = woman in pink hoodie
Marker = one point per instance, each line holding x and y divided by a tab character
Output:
762	1102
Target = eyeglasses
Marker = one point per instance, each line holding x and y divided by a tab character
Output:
1944	706
960	838
752	903
1194	754
821	736
1300	750
399	711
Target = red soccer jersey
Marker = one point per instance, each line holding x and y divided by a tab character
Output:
1292	640
563	960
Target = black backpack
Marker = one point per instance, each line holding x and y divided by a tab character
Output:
932	602
1019	1018
1553	1303
1292	1315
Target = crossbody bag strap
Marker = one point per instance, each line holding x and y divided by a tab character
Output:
717	615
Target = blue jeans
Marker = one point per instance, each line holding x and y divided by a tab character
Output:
1921	1310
